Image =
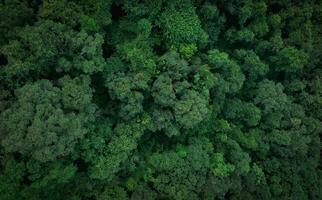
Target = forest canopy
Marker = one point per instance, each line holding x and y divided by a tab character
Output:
160	99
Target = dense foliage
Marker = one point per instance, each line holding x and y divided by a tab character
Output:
160	99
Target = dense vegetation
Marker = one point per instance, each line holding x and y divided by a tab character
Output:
160	99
